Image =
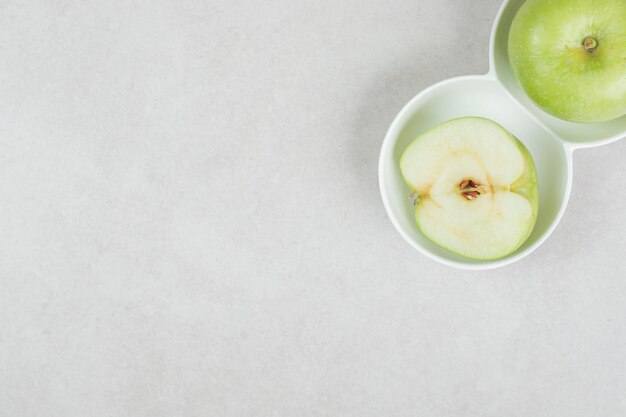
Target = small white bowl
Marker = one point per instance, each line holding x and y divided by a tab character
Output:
496	96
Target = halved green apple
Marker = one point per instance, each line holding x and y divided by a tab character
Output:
474	186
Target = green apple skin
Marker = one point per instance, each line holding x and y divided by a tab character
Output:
526	184
557	72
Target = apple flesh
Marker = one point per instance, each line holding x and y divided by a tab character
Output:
569	56
474	186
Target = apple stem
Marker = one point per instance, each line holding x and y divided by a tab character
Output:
590	44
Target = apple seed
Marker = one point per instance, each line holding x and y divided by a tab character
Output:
470	195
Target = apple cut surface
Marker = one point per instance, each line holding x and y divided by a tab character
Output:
475	186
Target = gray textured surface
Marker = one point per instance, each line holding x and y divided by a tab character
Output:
190	224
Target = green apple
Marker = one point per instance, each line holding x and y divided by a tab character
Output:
570	57
474	186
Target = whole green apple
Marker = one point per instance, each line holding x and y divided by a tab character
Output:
570	57
474	186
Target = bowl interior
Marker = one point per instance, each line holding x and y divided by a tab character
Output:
472	96
576	133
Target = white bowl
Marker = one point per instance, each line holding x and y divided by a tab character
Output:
496	96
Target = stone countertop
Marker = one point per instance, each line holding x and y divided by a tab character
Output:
191	224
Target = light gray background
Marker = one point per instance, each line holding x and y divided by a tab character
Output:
190	224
